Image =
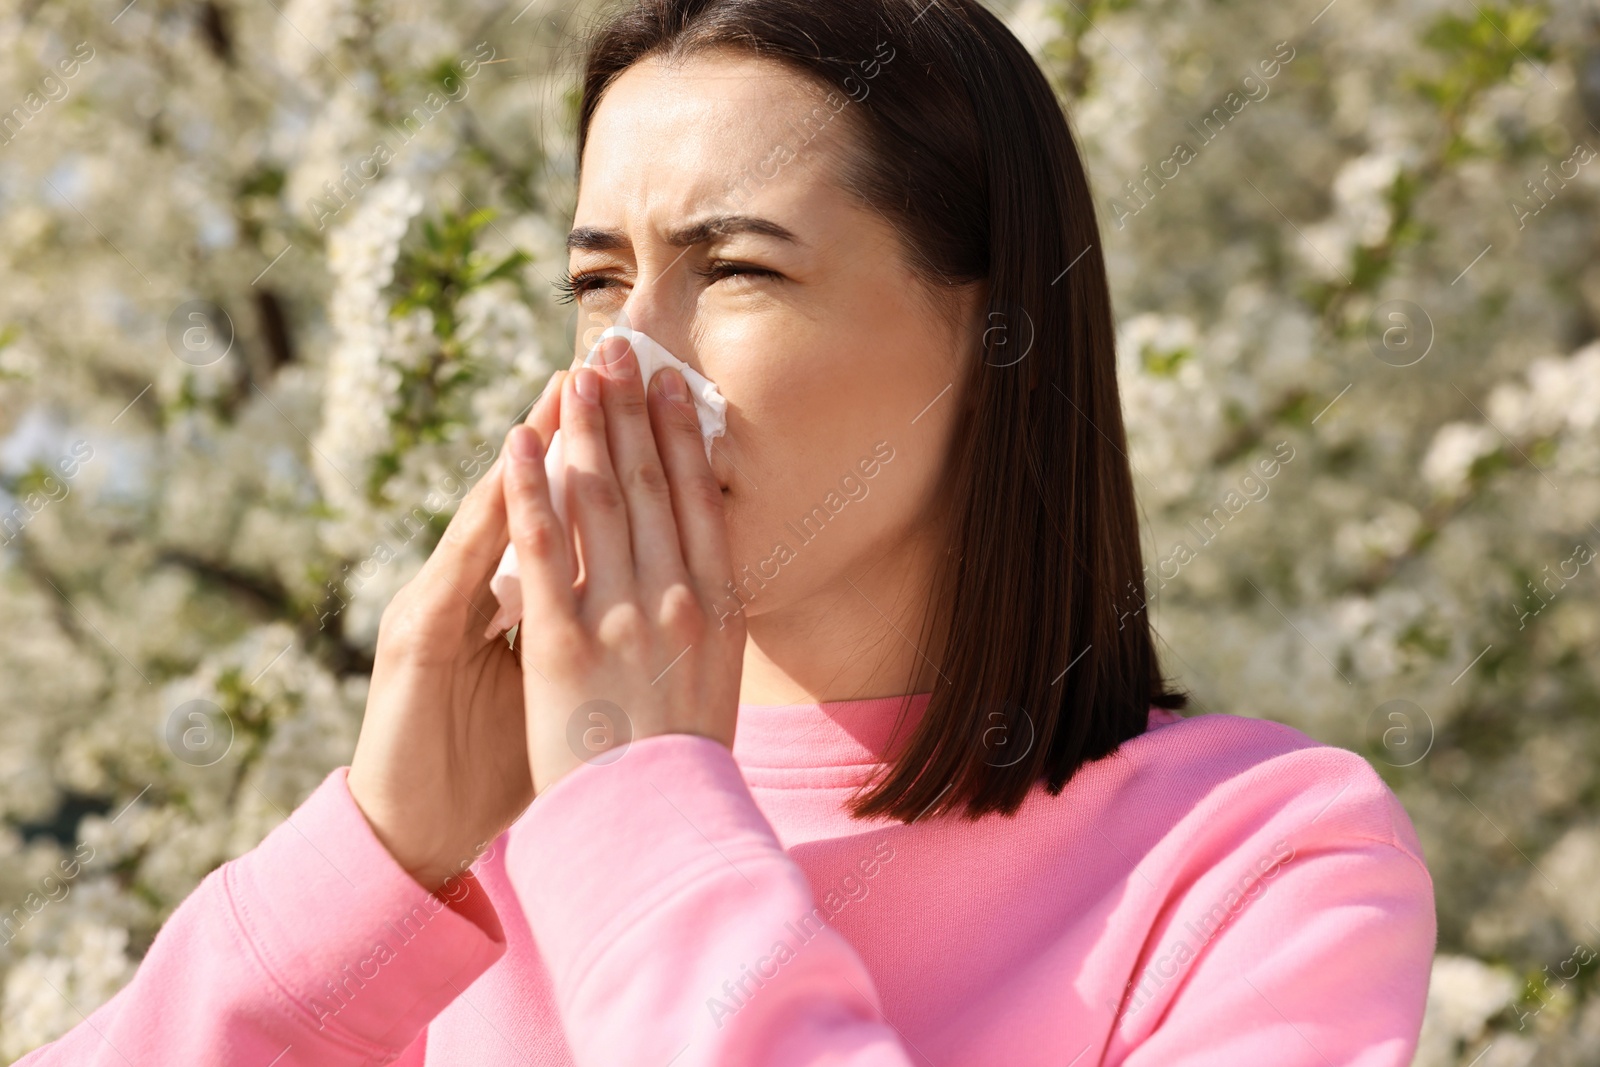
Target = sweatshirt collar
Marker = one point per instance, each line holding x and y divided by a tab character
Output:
835	733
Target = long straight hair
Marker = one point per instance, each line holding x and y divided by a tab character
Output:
959	141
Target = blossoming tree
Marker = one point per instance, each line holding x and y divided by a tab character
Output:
274	281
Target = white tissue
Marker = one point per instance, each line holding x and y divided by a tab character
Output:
709	405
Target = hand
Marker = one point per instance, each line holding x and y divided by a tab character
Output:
441	766
638	632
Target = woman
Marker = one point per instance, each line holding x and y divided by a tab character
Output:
851	744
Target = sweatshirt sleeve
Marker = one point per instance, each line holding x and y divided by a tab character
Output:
314	949
653	885
1310	946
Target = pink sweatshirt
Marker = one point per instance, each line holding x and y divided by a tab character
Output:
1221	891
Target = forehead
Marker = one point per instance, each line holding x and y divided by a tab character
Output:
701	131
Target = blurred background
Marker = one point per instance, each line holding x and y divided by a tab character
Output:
275	279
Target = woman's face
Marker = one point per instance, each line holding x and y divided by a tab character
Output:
842	388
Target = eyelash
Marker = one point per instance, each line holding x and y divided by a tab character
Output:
573	286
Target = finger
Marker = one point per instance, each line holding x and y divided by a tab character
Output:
459	567
657	561
478	529
545	417
696	496
485	504
598	512
536	531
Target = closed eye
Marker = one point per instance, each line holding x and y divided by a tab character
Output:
574	286
717	269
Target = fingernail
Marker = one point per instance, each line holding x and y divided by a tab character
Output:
524	444
588	384
673	385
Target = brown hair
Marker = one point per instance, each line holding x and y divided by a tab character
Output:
1049	661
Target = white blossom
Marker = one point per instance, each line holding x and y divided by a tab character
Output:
362	377
232	510
48	993
1456	447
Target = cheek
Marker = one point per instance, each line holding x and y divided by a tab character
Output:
809	395
804	414
801	533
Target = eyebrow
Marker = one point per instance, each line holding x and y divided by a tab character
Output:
595	239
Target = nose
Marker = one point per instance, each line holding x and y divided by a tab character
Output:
643	313
659	327
655	308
